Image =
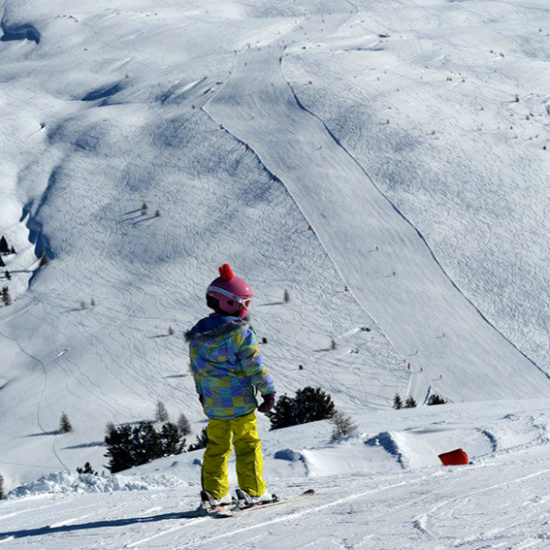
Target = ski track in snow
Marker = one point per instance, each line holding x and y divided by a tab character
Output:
256	97
240	157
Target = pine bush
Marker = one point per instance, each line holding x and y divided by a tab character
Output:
129	446
119	448
170	440
201	443
410	403
282	414
436	399
87	469
309	405
313	404
343	426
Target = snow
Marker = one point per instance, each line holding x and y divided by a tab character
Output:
398	149
63	482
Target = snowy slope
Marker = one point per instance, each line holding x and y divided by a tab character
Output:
388	264
120	129
393	131
390	494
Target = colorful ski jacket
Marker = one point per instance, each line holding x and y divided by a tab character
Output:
226	363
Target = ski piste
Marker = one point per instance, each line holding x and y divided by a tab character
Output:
230	510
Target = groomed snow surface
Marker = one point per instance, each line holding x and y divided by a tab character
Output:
384	162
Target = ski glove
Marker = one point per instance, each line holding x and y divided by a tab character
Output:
268	403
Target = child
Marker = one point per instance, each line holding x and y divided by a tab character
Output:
227	368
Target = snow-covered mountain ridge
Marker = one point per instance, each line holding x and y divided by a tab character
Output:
396	148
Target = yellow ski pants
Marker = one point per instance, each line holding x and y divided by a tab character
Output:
242	434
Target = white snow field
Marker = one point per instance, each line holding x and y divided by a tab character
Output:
384	162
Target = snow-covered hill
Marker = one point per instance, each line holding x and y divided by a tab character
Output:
397	149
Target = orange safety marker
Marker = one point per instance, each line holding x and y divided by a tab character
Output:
458	457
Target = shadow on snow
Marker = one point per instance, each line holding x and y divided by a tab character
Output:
122	522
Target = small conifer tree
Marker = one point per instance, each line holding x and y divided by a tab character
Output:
157	213
333	344
65	425
397	402
286	296
144	208
6	298
184	427
170	331
2	264
7	275
4	248
92	302
161	414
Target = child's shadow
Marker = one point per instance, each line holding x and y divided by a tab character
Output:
47	530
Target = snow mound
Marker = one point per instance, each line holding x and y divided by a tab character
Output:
65	483
289	454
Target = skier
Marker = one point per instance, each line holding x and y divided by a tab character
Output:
227	368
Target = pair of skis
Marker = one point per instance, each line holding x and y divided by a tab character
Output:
241	506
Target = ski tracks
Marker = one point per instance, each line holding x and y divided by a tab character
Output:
256	104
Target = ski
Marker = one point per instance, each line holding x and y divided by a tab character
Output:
230	510
208	507
240	507
201	512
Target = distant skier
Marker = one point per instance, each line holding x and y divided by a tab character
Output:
227	368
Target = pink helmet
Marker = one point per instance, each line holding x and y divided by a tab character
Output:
228	293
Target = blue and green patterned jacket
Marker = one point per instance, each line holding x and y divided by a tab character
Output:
226	363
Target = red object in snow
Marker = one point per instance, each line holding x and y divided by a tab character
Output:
458	457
